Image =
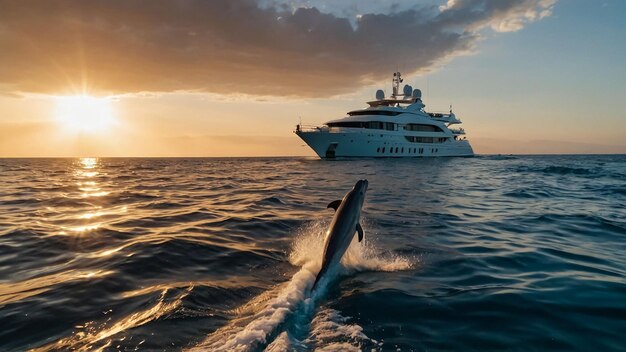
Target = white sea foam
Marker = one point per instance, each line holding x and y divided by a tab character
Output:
283	343
330	331
288	299
264	317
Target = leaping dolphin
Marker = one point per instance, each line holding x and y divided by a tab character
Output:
345	224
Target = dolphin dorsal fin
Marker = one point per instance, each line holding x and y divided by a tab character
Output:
334	204
359	229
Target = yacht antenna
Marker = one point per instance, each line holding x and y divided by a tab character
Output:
395	83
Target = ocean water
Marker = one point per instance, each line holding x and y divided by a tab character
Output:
485	253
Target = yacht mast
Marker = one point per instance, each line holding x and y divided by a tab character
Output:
395	83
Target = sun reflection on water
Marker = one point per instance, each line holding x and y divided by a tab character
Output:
85	228
93	332
109	252
85	171
17	290
95	194
87	167
89	163
91	215
87	186
88	173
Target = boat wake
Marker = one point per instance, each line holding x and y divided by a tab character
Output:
285	317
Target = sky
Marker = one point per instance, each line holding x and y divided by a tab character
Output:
233	78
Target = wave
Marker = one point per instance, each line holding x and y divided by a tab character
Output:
91	335
564	170
593	220
86	258
558	170
279	319
271	201
498	157
613	190
529	193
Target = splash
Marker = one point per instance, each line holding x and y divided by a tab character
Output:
308	248
330	331
262	325
279	322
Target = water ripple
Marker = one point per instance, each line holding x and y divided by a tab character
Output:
487	253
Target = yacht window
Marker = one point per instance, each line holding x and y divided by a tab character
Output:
374	112
347	124
422	127
414	139
383	149
376	125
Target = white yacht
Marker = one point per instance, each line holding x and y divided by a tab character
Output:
397	126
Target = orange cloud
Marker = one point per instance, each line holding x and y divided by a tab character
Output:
230	46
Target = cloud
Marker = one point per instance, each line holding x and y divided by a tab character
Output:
234	46
506	15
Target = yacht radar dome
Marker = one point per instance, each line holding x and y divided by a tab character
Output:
380	95
417	94
407	90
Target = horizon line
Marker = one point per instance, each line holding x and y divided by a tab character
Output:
303	156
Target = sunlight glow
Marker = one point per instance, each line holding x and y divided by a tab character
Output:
89	163
85	228
84	113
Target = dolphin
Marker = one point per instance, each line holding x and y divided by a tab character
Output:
345	224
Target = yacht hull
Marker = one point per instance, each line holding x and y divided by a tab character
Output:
328	145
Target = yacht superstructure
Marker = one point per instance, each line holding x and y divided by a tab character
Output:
397	126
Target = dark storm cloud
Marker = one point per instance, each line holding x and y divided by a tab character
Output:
230	46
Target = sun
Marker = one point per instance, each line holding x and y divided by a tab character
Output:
84	113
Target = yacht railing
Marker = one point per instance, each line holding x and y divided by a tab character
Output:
311	128
438	114
457	130
447	117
